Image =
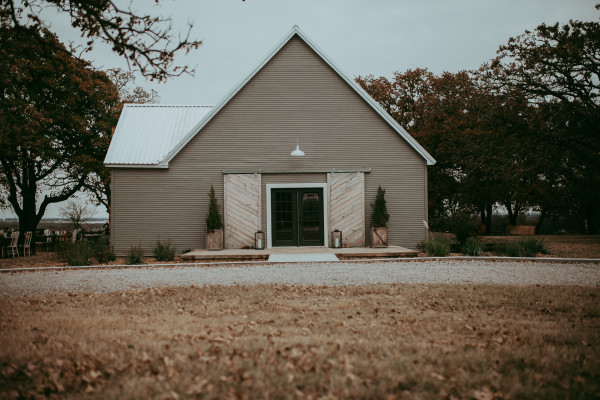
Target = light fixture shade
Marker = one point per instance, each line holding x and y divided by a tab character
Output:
297	152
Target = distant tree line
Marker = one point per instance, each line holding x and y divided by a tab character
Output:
522	132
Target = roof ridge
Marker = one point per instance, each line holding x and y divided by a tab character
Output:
149	105
296	31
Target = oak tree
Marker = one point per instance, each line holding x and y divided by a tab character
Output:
147	43
55	110
558	68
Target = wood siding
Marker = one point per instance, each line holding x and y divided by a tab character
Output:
242	209
347	207
295	96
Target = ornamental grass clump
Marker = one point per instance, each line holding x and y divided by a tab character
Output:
531	246
435	246
135	256
75	254
511	249
472	247
164	250
103	251
526	247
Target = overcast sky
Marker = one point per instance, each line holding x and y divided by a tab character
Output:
374	37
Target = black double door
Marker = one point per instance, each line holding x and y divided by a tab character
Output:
297	217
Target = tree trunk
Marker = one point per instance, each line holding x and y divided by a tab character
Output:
28	220
538	226
485	212
488	220
590	219
512	213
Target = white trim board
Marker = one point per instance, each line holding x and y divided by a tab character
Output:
323	186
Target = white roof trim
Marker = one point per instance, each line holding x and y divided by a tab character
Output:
361	92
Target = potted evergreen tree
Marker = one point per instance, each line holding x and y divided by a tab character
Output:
214	224
379	220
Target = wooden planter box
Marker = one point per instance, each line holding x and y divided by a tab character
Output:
379	237
214	239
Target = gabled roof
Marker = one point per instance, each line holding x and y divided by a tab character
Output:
170	150
146	133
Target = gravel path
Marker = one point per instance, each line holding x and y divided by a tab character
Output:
350	273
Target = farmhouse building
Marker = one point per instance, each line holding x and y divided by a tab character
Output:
164	159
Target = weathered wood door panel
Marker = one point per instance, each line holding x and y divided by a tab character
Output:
347	206
242	209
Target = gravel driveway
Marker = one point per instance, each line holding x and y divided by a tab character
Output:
346	273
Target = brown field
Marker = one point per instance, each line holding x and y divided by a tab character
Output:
384	341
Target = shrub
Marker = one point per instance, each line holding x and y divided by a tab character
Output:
531	246
164	251
135	256
380	216
472	247
462	227
102	251
437	246
105	253
75	254
213	219
526	247
511	249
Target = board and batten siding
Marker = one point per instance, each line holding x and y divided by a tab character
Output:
295	96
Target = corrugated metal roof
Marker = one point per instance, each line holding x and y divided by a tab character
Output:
146	133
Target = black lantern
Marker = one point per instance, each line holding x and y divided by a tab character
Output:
336	239
259	240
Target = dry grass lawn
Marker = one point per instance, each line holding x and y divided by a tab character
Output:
384	341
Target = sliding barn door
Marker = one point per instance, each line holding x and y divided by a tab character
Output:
241	209
347	206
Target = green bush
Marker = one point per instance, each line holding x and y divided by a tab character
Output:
511	249
75	254
437	246
135	256
531	246
213	219
164	251
472	247
105	253
380	216
526	247
462	227
102	251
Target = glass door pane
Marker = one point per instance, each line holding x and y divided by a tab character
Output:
284	217
310	210
297	217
